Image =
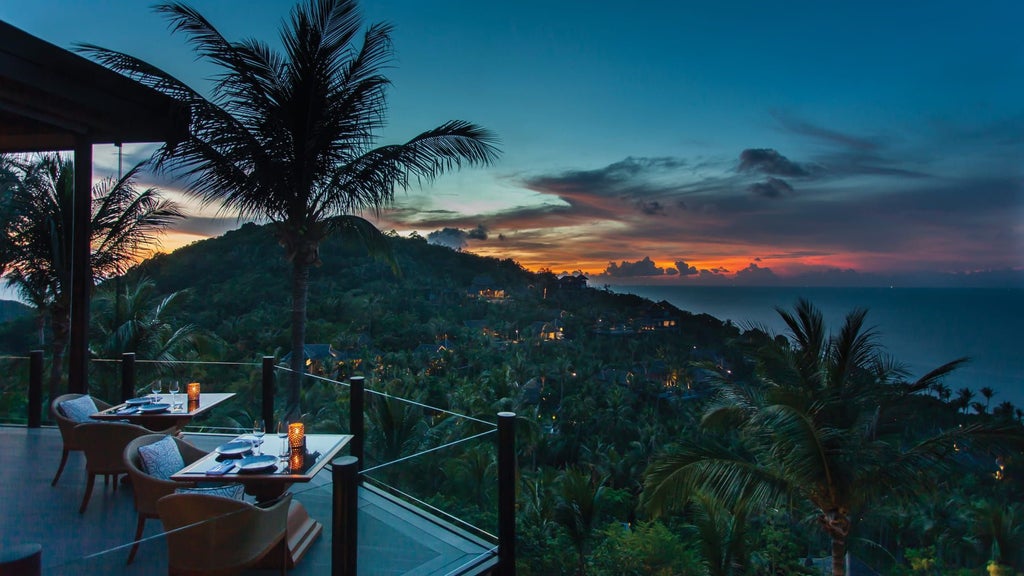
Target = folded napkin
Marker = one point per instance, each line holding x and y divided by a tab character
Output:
221	469
128	410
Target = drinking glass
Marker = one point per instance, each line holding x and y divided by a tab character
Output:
155	388
174	387
259	428
282	437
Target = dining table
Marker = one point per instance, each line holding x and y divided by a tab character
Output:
159	412
269	474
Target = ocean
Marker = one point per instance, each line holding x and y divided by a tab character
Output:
921	327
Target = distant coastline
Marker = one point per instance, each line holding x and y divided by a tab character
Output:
921	327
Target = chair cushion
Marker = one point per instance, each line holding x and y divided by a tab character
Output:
233	491
161	458
79	409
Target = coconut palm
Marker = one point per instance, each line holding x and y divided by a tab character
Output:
579	499
129	316
36	252
988	393
288	137
823	423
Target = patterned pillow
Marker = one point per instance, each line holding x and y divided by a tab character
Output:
233	491
161	458
79	409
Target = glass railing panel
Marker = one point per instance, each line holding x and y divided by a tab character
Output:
14	389
323	403
435	459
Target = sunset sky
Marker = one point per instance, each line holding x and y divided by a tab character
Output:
797	142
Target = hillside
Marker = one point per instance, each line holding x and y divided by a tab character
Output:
239	289
12	310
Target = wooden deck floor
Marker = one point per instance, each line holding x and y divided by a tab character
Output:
394	539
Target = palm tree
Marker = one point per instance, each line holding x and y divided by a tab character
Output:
988	393
36	251
822	424
577	509
133	318
964	396
288	137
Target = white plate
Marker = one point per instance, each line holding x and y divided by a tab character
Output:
259	463
234	448
154	408
139	400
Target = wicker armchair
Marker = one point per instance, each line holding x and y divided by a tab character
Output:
147	488
104	444
217	535
67	429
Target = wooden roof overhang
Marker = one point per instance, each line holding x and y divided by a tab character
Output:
53	99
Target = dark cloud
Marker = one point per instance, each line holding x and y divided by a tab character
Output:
754	274
478	233
769	161
771	188
824	134
451	237
457	239
645	267
685	269
652	208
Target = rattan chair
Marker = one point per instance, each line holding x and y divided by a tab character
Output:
104	444
213	535
148	488
67	429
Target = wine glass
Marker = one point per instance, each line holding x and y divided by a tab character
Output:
155	388
259	428
174	387
282	437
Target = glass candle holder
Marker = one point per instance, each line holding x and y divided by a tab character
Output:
296	459
193	392
296	436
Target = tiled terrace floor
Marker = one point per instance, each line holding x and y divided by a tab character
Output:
393	539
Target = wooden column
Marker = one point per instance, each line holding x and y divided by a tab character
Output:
35	388
267	407
357	417
506	494
81	269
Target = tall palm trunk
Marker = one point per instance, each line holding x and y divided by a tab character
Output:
837	525
60	326
300	293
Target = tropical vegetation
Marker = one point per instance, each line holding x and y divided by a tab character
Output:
35	251
289	138
599	408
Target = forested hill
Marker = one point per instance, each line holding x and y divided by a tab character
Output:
10	310
239	289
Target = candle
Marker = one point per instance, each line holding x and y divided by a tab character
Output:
296	459
193	392
296	436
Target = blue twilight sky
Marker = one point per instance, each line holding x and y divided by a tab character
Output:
741	142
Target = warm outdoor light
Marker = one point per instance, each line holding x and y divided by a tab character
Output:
296	436
296	458
193	392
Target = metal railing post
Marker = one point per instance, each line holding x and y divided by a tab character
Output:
357	416
506	493
127	375
345	516
267	409
35	388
